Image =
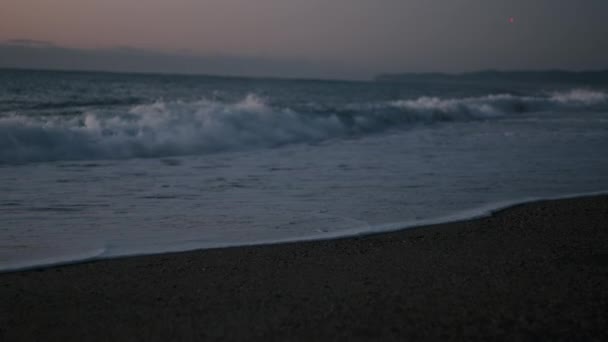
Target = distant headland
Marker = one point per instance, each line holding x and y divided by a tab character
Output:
557	76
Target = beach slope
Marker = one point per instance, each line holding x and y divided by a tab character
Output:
534	271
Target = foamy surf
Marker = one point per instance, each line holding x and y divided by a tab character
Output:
142	166
356	231
173	128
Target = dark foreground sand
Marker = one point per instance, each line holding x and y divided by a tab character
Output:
533	271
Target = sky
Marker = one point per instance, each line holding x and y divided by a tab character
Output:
316	38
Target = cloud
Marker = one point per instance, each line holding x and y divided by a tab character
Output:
29	42
32	54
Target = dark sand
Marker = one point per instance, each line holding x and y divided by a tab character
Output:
532	271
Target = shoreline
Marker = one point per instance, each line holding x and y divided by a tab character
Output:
457	217
530	271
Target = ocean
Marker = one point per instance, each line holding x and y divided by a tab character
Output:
101	165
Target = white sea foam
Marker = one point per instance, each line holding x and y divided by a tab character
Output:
505	104
357	230
52	257
579	97
502	149
423	153
166	128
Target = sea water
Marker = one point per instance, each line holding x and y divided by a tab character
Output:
99	165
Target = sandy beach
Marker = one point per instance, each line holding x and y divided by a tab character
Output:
534	271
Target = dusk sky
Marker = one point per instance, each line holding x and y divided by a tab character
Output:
342	38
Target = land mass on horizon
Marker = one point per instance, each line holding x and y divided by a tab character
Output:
557	76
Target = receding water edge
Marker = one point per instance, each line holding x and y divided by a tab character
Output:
465	215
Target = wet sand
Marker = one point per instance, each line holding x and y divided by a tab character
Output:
535	271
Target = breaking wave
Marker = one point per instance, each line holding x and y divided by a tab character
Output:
504	104
178	128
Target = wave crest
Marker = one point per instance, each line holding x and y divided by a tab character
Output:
580	97
167	128
505	104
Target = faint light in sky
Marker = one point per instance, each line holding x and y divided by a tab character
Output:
511	20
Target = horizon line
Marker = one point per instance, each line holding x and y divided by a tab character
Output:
374	78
